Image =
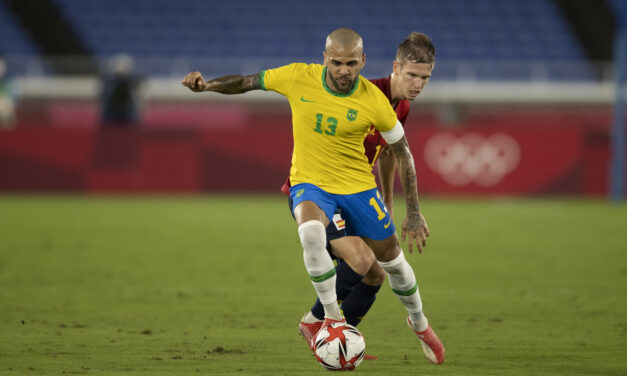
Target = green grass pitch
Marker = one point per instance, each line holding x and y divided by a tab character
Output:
216	285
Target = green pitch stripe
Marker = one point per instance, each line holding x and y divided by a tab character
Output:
406	293
323	277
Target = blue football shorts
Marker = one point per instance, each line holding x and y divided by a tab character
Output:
364	212
336	228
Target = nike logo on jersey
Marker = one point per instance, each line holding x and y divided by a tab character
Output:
305	100
388	224
421	336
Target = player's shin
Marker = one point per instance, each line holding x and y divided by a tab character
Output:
403	283
358	302
320	265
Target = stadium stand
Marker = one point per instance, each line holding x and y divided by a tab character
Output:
14	40
616	5
533	37
55	38
481	30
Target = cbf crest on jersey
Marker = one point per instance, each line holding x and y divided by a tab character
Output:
351	115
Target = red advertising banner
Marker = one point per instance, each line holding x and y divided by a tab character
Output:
493	159
490	160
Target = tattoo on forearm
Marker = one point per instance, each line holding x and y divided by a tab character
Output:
387	170
234	84
407	175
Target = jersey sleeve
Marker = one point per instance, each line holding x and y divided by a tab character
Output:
395	134
279	79
385	117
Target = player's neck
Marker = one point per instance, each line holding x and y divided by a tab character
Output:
395	95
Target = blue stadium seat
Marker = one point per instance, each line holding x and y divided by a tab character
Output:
14	40
524	30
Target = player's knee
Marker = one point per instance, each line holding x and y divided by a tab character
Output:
357	254
312	235
389	253
385	250
375	276
362	261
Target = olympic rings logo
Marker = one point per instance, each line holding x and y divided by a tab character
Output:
472	158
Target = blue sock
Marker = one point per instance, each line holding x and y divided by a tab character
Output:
347	278
356	304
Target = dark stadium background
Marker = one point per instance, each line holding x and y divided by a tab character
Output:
520	101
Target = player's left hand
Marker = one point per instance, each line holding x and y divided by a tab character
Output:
415	227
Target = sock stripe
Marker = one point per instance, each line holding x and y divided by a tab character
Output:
408	292
324	277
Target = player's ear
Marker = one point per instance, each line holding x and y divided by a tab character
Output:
363	60
396	67
324	57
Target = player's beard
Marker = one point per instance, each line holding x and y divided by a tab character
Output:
342	87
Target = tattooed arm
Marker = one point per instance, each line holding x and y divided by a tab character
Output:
387	170
225	85
414	224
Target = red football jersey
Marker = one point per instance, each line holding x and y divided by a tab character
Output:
374	141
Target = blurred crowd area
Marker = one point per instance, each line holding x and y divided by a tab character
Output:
166	37
520	100
80	58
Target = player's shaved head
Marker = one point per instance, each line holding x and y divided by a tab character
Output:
344	58
344	39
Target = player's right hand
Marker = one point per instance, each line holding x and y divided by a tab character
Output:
195	82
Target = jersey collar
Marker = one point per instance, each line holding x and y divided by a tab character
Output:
328	89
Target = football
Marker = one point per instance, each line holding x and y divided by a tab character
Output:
339	347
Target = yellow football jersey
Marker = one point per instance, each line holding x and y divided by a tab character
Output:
329	128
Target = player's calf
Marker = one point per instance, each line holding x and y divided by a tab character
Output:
319	265
404	286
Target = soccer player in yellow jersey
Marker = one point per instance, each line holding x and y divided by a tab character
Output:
333	108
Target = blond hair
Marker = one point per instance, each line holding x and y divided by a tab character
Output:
417	48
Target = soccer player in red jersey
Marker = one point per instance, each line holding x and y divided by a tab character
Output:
359	277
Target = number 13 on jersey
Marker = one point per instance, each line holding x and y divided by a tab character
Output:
331	125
